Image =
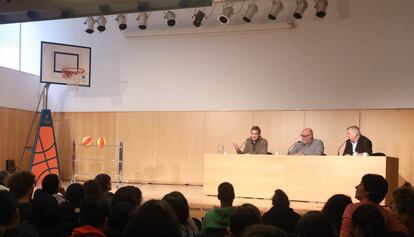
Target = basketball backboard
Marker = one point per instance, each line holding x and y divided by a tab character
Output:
65	64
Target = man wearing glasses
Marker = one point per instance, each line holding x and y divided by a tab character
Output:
308	146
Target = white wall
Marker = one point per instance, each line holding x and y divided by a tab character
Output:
19	90
359	56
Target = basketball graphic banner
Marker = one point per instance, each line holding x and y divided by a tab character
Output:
44	158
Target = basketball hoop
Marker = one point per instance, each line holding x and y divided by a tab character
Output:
74	76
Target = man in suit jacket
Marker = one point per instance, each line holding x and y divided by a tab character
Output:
356	142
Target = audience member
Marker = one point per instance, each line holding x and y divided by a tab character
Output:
242	217
180	206
21	231
128	194
22	185
70	209
314	224
281	215
4	177
217	220
9	214
154	218
334	210
94	212
403	206
263	231
92	189
45	217
104	181
371	191
118	219
51	186
367	221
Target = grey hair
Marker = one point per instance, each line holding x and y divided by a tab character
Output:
355	129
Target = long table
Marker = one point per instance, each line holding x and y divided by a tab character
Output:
303	178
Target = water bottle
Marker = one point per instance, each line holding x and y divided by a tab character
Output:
220	149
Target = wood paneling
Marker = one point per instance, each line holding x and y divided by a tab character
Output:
392	132
14	128
329	126
139	133
280	128
181	142
225	128
169	146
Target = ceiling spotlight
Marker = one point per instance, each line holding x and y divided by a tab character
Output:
198	18
251	10
277	6
142	21
101	20
227	12
321	6
300	9
122	22
170	16
90	23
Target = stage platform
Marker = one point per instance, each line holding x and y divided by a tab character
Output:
200	203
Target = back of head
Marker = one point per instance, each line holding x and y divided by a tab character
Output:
243	216
403	201
314	224
94	211
50	184
263	231
368	221
280	199
21	183
104	181
335	207
376	186
179	204
226	192
8	207
119	216
154	218
75	193
92	189
21	231
45	210
4	174
128	194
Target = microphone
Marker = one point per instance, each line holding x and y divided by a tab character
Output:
290	148
339	149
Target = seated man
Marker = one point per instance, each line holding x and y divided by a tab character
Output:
217	220
255	144
371	191
308	146
356	143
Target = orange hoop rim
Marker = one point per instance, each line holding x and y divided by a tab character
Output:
69	72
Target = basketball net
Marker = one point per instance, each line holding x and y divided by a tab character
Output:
74	76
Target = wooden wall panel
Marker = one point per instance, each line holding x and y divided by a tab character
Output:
225	128
280	128
330	125
392	132
14	128
181	142
169	146
139	133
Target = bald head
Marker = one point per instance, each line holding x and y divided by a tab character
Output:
353	133
307	135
